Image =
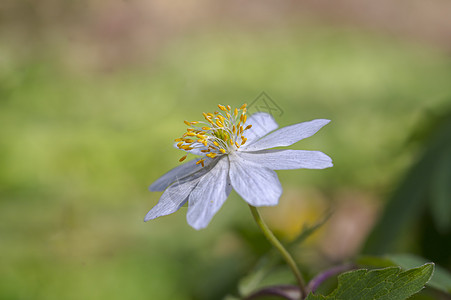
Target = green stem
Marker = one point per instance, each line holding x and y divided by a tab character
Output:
275	242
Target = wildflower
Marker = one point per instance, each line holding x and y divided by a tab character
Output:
234	153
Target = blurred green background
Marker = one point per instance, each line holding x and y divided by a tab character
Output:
92	94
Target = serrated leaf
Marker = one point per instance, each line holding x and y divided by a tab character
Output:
380	284
441	279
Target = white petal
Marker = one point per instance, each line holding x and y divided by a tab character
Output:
257	185
172	199
177	193
288	159
289	135
262	123
209	195
178	172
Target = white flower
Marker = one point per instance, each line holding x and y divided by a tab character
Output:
234	155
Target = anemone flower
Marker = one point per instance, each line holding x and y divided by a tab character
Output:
235	152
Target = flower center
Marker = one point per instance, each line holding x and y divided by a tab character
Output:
220	133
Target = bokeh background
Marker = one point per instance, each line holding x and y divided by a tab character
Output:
92	94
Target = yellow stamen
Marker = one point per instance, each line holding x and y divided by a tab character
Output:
248	127
243	106
222	151
236	144
187	123
222	107
206	128
228	108
183	158
178	140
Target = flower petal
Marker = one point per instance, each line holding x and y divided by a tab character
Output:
178	172
262	123
289	135
288	159
257	185
209	195
177	194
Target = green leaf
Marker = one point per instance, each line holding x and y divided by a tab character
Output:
380	284
441	279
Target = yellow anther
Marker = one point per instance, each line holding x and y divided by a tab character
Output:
179	144
205	151
186	147
216	143
233	129
243	106
231	141
194	122
228	108
218	122
211	155
243	140
205	115
189	129
244	119
178	140
183	158
236	144
222	107
222	151
201	136
210	115
228	116
216	112
189	133
241	118
235	112
206	128
248	127
189	141
187	123
201	161
241	130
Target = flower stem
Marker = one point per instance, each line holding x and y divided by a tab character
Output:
275	242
